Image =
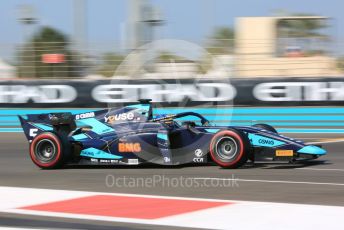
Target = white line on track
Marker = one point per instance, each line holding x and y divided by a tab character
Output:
320	140
307	138
320	169
325	142
229	216
269	181
20	228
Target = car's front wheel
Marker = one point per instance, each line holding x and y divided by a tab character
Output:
46	151
229	148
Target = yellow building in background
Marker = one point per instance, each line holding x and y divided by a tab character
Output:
261	52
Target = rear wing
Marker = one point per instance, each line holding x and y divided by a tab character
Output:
34	124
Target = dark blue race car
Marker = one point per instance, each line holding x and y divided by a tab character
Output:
132	135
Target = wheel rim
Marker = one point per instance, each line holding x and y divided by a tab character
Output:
45	150
226	148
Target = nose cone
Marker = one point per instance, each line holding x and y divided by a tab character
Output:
312	149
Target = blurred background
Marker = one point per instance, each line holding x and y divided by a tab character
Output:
87	53
88	38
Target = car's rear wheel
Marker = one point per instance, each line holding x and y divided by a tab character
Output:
266	127
229	148
47	151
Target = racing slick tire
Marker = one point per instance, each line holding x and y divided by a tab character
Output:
49	150
266	127
230	148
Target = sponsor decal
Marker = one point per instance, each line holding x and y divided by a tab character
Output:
164	144
299	91
129	147
33	132
258	140
266	141
119	117
37	94
167	159
198	152
133	161
84	115
284	153
54	58
198	160
164	92
104	161
108	161
165	118
95	93
122	139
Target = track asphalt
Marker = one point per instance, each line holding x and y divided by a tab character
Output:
320	182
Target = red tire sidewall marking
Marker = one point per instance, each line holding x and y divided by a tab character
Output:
51	137
231	134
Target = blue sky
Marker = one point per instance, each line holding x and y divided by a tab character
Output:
185	19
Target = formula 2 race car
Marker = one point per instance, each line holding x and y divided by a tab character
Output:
132	135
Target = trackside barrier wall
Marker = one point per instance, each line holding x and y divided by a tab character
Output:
290	104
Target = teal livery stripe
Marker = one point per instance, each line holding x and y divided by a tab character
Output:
79	137
212	130
163	136
99	154
43	127
97	126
